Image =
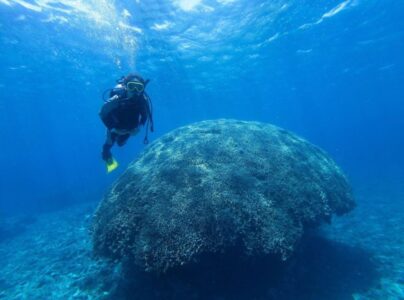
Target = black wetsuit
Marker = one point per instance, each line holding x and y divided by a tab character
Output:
124	115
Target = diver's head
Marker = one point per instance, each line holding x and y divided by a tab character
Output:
134	84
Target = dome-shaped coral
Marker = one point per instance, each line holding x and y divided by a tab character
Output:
211	185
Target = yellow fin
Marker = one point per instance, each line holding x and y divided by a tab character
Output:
112	164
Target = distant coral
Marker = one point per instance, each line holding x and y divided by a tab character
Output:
206	187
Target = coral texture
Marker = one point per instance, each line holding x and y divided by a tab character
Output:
212	185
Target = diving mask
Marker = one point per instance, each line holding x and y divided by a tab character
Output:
135	86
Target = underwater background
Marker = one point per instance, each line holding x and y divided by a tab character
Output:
329	71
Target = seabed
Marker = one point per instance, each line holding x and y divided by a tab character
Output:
52	258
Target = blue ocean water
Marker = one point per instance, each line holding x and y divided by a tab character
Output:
330	71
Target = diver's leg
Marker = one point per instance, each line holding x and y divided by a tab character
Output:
121	139
109	142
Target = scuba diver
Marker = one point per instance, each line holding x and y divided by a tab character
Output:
127	108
